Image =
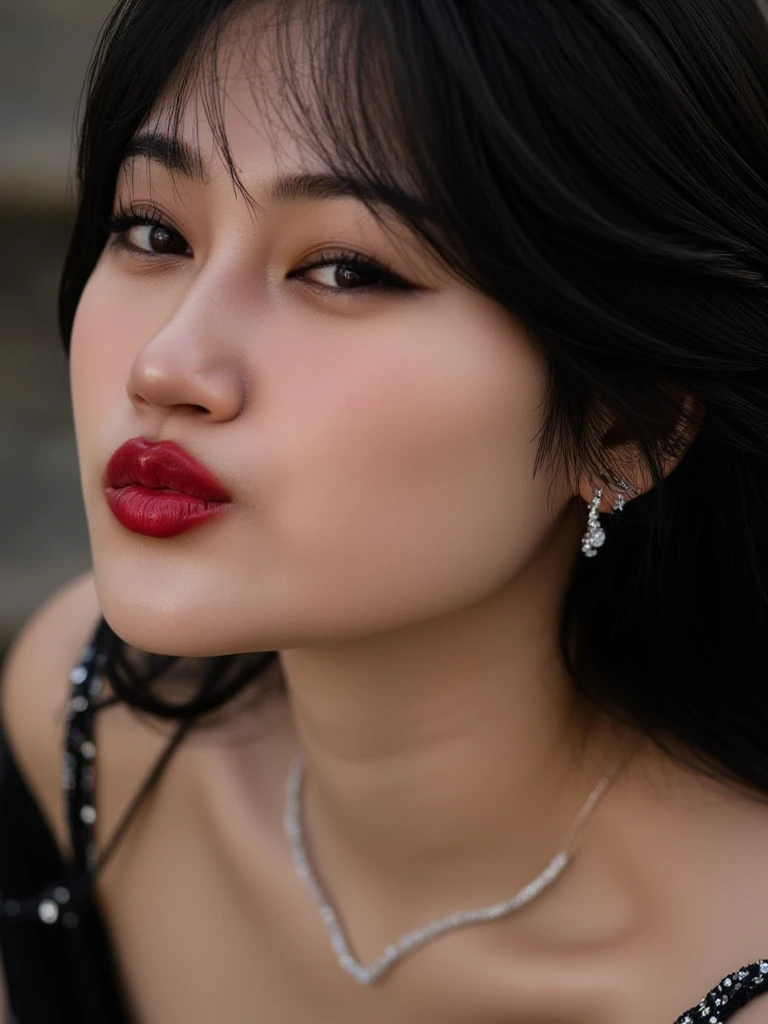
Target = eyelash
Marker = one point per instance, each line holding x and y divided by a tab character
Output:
119	223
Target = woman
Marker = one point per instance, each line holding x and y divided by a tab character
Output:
420	382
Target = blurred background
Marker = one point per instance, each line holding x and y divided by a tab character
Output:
45	46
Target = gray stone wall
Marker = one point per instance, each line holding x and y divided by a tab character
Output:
44	51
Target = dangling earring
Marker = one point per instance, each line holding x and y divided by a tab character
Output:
594	538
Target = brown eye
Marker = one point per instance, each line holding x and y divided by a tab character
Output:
350	272
344	276
156	239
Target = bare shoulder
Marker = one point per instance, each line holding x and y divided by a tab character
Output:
35	685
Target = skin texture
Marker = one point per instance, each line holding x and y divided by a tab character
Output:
389	538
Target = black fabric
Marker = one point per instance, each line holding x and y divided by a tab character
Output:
55	974
733	992
56	950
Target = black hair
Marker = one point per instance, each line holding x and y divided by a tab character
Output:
599	168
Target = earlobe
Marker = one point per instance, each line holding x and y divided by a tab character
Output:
617	490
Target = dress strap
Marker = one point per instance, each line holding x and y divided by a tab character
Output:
733	992
80	755
79	769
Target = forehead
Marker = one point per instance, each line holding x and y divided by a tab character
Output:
234	100
266	99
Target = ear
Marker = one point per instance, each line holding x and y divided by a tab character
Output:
624	474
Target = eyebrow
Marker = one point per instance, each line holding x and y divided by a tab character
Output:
179	157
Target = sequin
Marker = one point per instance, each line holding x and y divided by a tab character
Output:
78	675
88	814
48	911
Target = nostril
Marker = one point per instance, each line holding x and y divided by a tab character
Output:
191	407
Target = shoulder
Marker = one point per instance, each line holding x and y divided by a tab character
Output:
34	686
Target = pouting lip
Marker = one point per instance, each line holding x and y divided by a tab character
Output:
163	466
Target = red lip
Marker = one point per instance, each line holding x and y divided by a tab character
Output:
160	490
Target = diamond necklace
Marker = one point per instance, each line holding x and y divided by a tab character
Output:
367	974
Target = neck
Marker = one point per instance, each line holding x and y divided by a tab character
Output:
445	762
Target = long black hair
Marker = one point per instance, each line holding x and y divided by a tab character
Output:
600	169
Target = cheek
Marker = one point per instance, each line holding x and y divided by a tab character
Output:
419	454
115	316
100	351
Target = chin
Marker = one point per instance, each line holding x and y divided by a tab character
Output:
156	633
152	623
170	606
194	627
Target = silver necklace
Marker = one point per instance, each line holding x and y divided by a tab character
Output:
367	974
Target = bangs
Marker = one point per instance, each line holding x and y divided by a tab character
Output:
321	73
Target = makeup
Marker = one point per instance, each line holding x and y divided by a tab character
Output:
160	490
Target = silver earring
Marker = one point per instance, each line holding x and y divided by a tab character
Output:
594	538
621	499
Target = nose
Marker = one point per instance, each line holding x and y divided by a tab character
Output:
190	366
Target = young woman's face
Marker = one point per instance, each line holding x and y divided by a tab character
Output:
376	430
